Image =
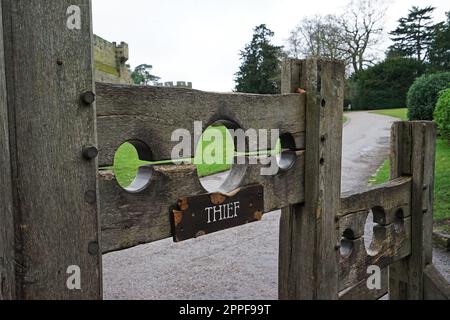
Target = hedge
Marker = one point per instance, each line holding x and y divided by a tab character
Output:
424	93
442	114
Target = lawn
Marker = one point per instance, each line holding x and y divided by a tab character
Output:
395	113
442	179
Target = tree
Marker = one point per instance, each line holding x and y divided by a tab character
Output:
414	34
260	71
440	47
384	85
352	36
362	26
142	75
317	37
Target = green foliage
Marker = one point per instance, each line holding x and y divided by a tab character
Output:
441	184
142	75
260	71
414	34
424	93
442	114
440	48
385	85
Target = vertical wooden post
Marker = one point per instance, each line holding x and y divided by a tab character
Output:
308	235
413	154
48	66
7	282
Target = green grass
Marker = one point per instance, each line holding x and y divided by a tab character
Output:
396	113
442	178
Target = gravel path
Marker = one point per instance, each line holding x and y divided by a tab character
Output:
240	263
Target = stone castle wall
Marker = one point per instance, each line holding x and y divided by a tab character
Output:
110	62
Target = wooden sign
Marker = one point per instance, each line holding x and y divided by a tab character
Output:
205	214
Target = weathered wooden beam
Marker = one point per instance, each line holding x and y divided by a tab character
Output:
309	231
152	114
436	287
363	293
389	196
7	266
391	243
413	154
130	219
48	66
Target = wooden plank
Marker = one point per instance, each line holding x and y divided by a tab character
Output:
309	232
7	268
131	219
391	244
390	196
48	66
436	286
152	114
362	292
413	153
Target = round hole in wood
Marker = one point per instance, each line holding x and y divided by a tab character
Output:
347	245
218	165
372	240
399	221
133	168
285	150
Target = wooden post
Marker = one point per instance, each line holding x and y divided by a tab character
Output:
7	284
413	154
309	232
53	221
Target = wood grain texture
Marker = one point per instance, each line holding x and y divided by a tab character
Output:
362	293
152	114
7	267
54	226
413	153
391	243
130	219
390	196
436	286
309	232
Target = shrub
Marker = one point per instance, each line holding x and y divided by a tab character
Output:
442	114
423	95
384	85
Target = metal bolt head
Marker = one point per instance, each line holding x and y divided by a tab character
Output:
90	152
88	97
93	248
90	197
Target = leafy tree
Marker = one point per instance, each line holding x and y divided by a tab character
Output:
142	75
440	47
384	85
415	33
260	71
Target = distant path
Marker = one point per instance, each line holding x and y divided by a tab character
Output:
240	263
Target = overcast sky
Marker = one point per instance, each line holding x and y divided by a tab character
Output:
200	40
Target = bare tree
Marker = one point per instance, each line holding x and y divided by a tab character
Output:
352	36
316	37
362	27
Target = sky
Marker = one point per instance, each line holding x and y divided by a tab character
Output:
199	40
